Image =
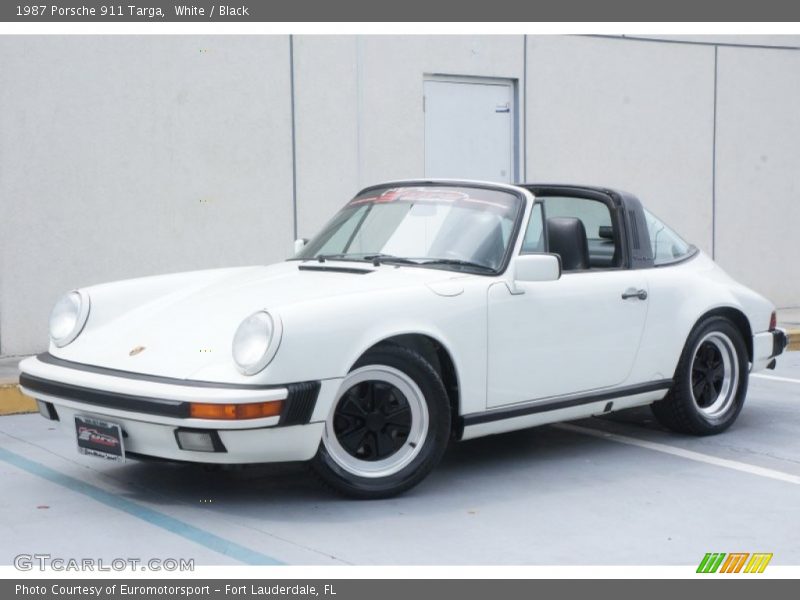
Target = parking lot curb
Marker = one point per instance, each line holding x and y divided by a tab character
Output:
794	340
13	401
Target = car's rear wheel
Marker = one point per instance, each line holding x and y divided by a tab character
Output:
388	427
710	382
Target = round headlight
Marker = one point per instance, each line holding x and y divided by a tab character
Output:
68	317
255	342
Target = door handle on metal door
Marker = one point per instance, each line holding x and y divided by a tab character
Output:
634	293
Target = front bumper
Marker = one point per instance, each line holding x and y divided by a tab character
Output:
766	347
151	409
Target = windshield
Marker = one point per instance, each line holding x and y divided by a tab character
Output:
441	226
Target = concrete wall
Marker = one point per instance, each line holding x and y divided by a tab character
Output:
758	169
359	108
634	115
124	156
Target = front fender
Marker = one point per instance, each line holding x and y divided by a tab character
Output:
323	339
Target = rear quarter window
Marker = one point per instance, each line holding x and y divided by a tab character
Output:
667	246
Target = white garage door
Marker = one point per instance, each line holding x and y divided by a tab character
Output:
469	129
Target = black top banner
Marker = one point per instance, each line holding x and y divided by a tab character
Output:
250	11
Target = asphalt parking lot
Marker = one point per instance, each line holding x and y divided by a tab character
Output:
612	491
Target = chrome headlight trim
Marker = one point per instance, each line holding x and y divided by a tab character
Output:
256	342
68	317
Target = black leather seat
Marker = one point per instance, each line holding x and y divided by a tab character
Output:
567	238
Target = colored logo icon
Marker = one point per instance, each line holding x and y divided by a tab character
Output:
734	562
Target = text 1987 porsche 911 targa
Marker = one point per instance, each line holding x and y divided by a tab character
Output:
423	312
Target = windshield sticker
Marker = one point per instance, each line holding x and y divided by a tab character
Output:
431	195
415	195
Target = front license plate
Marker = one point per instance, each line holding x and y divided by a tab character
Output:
99	438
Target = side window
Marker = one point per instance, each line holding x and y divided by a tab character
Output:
534	235
601	249
667	245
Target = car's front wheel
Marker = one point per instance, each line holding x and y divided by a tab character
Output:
388	427
710	382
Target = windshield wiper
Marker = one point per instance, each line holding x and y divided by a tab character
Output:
457	262
377	259
341	256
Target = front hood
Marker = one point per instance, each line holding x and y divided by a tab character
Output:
186	321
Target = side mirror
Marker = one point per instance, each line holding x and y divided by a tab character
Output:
299	244
536	267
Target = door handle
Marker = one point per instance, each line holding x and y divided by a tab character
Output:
634	293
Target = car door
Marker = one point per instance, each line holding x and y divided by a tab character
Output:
578	333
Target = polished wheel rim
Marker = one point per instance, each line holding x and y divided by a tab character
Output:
378	424
715	374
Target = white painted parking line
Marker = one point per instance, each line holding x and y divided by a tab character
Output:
688	454
775	378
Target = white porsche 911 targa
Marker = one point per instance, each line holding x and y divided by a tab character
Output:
424	312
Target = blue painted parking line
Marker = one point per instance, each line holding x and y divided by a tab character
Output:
158	519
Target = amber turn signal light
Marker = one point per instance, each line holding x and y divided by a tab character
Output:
230	412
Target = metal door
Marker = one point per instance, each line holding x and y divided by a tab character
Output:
469	129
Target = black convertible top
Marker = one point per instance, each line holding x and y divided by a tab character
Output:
627	209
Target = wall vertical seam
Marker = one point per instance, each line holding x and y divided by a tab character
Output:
294	136
714	162
525	107
359	106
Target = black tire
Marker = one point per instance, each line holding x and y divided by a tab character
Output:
423	456
697	403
